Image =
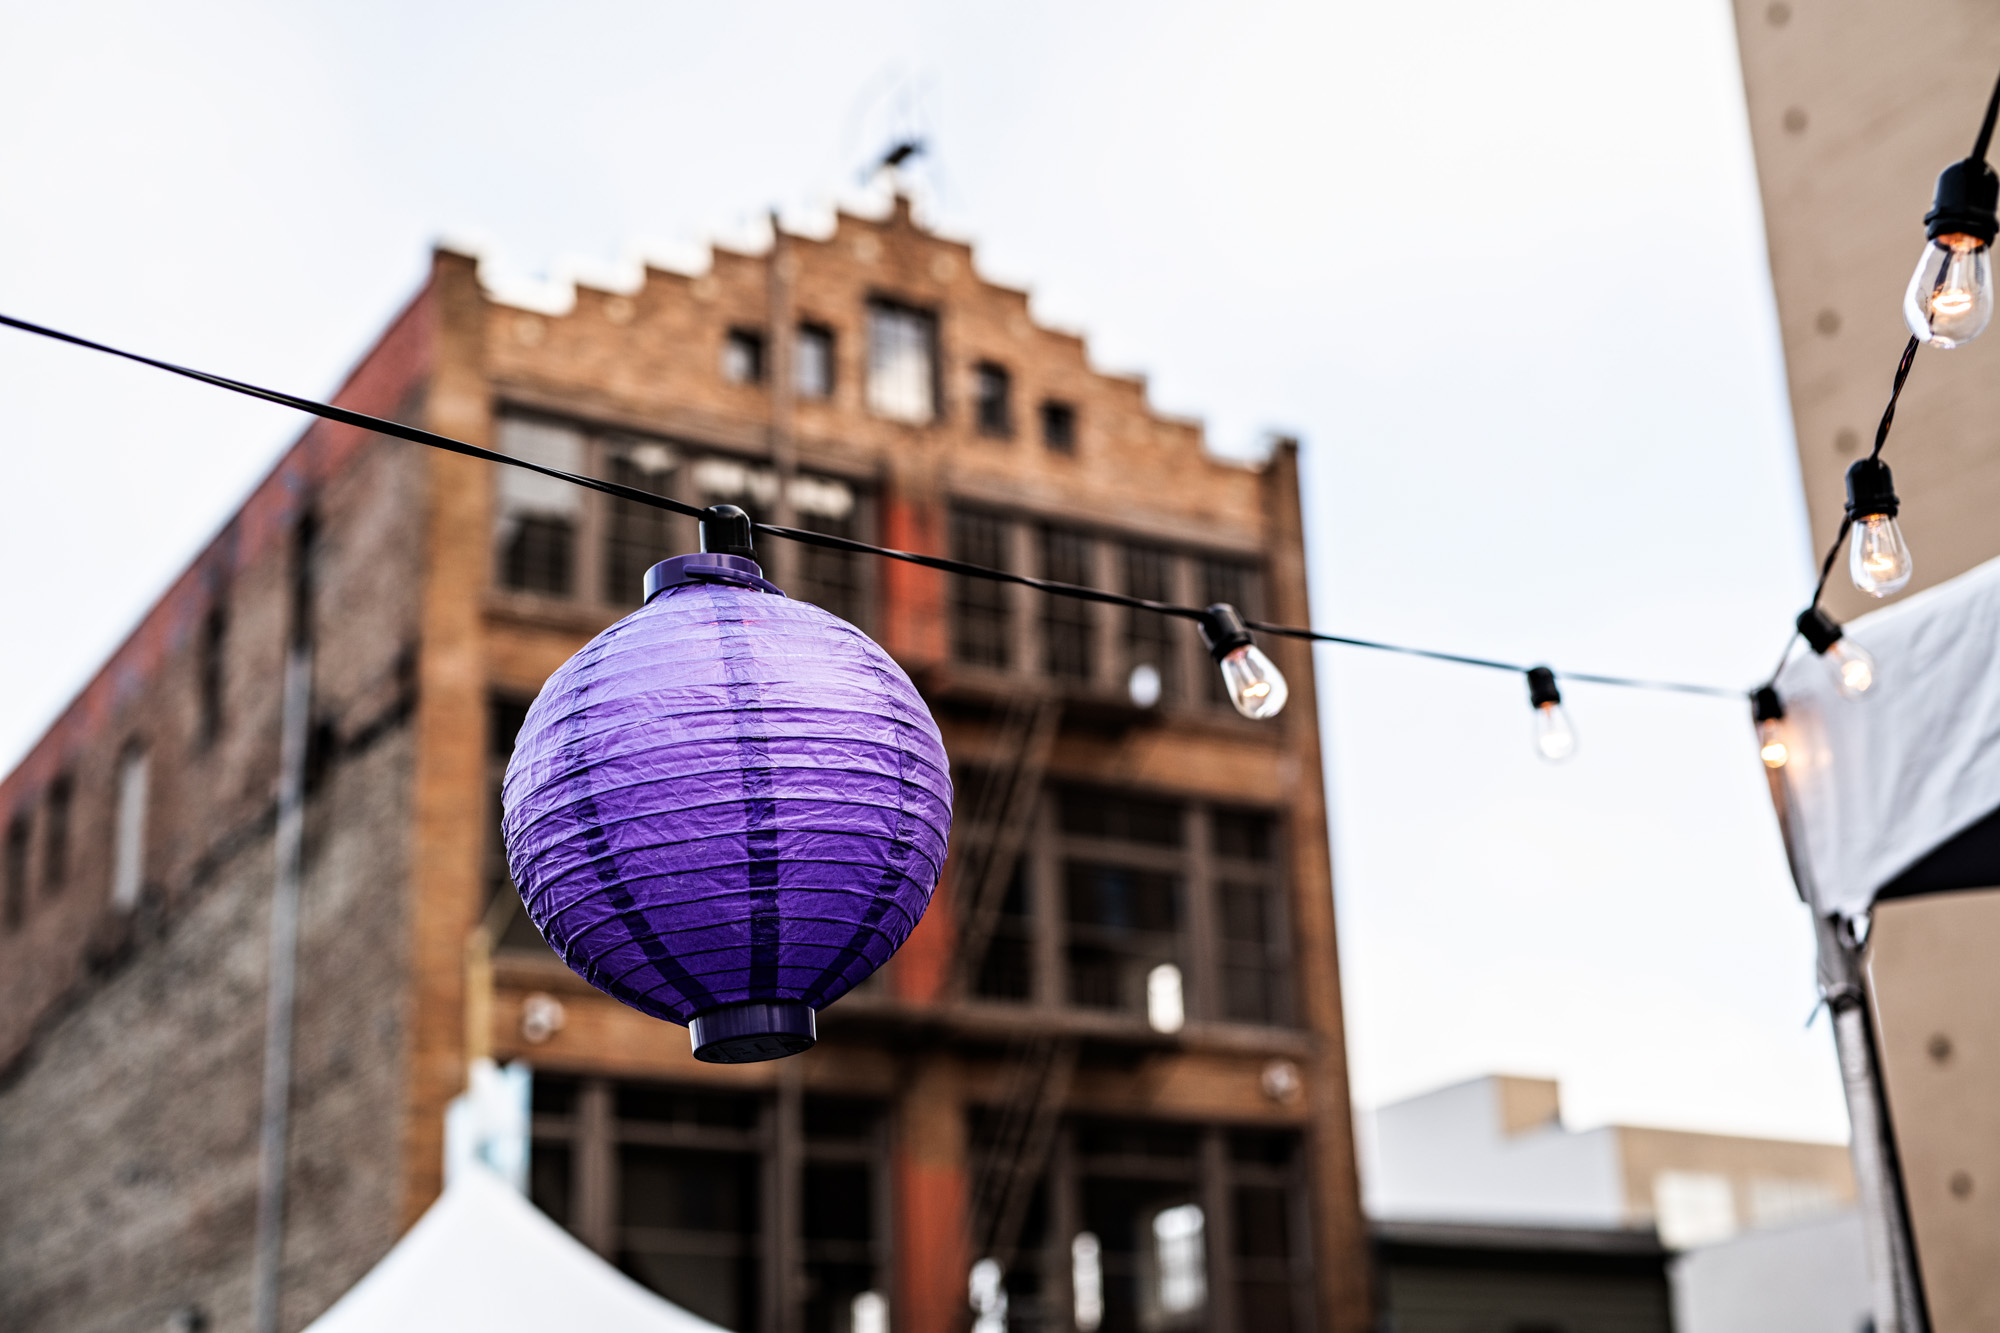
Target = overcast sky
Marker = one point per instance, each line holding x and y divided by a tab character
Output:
1499	266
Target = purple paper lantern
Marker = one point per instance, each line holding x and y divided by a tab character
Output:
729	809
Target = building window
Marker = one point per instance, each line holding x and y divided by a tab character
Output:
212	664
1160	910
670	1183
982	611
902	363
1069	625
128	853
743	357
1251	955
812	362
1059	427
537	518
636	536
55	835
14	863
835	581
994	390
1123	895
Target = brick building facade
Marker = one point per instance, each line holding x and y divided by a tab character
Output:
1111	1056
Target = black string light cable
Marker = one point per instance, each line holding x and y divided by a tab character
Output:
1949	302
1221	627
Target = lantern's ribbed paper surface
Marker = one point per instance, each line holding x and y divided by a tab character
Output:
727	796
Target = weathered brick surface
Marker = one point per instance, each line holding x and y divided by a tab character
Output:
129	1108
127	1120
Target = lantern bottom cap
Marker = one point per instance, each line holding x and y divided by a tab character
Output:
741	1034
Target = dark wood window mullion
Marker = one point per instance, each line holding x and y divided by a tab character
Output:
1218	1230
1202	925
594	1197
783	1163
1065	1221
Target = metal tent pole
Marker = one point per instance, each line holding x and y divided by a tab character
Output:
1897	1286
1896	1283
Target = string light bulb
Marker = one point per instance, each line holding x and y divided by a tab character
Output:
1878	559
1767	710
1853	669
1254	684
1555	738
1950	298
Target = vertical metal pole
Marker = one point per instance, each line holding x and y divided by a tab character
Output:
272	1128
1896	1284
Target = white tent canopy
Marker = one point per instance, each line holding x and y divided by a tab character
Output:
484	1258
1892	791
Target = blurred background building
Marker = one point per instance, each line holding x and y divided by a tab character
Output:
1854	109
1111	1058
1490	1213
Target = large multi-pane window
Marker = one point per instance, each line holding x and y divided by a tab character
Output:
557	540
1083	646
538	518
982	611
635	535
676	1186
1251	945
1162	910
902	363
1137	1226
1124	897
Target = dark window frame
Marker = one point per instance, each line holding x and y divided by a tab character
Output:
1059	426
993	399
824	335
746	357
932	323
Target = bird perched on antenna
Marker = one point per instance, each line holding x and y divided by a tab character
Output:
901	153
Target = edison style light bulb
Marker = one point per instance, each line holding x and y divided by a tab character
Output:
1255	684
1877	558
1771	744
1555	738
1950	300
1854	671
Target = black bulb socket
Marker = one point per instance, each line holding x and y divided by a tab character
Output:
725	530
1765	705
1967	194
1542	691
1223	630
1871	491
1818	629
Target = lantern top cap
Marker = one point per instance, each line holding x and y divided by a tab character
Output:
707	567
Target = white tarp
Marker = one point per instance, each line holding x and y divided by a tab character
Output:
484	1258
1878	783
